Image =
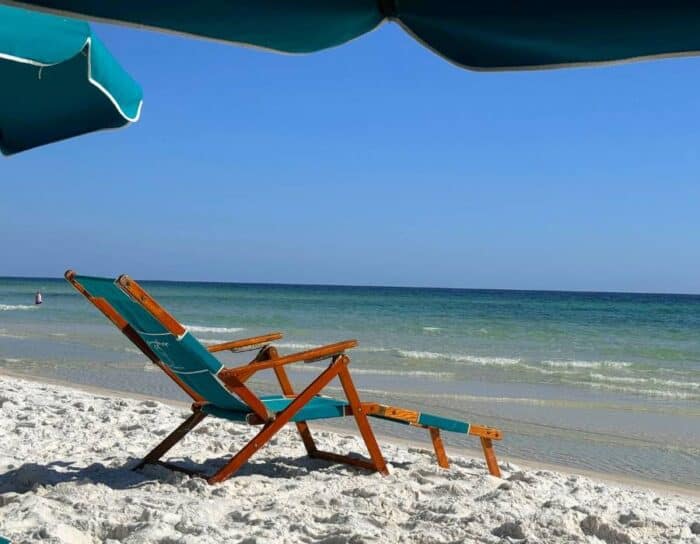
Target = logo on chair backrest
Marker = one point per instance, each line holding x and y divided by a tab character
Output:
157	345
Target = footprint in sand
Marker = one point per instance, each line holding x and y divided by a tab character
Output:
512	530
131	427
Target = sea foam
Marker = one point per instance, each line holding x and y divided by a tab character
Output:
587	364
5	334
655	381
385	372
296	345
458	358
663	393
202	328
304	345
11	307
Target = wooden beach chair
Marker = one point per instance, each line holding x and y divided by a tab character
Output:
222	392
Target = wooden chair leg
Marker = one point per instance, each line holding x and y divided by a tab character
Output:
487	446
439	447
360	417
287	389
272	427
305	432
172	439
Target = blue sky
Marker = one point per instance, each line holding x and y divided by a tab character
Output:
374	163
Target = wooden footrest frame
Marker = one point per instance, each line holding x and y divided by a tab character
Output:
411	417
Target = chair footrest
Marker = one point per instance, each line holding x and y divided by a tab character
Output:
419	419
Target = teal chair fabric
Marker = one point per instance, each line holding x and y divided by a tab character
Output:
57	80
484	35
317	408
185	356
193	363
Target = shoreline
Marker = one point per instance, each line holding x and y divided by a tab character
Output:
619	480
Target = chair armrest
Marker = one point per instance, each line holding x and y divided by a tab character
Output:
308	356
246	343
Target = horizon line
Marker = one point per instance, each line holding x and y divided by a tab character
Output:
376	286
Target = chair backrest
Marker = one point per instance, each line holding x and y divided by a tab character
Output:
183	354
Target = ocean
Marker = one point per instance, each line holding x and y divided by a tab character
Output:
607	382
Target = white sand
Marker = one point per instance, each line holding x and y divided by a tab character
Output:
64	477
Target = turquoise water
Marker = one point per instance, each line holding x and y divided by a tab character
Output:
599	381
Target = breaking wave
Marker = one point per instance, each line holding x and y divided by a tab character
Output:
648	381
12	360
201	328
385	372
10	307
4	333
296	345
662	393
304	346
586	364
459	358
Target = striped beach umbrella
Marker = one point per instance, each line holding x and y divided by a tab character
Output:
57	80
481	35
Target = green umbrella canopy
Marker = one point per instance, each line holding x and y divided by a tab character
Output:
482	35
57	81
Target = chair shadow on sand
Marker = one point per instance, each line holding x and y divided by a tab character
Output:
28	476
